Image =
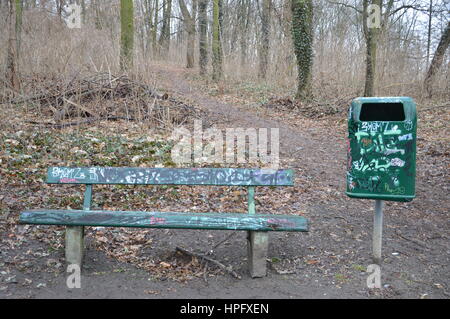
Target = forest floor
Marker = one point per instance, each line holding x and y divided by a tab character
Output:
329	261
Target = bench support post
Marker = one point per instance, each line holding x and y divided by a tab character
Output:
74	245
75	234
258	244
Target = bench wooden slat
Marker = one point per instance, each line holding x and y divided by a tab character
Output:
225	221
170	176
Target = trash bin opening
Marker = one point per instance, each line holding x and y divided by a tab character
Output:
382	112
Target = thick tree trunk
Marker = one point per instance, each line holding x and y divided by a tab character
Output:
126	34
437	60
203	41
302	34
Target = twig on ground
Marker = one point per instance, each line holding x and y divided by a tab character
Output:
215	262
221	242
417	242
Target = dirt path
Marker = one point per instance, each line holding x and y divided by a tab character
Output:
327	262
294	143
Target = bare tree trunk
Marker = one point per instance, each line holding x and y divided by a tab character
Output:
265	30
429	31
203	42
191	35
83	11
147	24
189	20
371	36
59	8
244	23
437	60
98	14
19	13
12	54
155	28
216	47
164	39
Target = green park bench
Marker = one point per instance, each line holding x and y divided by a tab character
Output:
257	225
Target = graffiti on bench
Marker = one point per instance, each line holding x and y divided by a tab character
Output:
171	176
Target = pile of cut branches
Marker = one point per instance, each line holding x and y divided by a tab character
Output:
101	96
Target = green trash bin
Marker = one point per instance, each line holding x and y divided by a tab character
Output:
381	155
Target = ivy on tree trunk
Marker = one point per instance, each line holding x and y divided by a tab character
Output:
302	34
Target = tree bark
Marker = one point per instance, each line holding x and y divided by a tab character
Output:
438	58
12	54
244	23
189	20
164	39
265	40
371	36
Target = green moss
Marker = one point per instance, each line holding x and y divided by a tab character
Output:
126	34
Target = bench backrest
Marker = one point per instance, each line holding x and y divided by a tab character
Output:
170	176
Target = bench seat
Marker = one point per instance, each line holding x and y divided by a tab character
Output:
225	221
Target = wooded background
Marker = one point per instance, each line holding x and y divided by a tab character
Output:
317	49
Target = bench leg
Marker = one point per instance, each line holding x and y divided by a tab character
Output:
74	245
258	244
